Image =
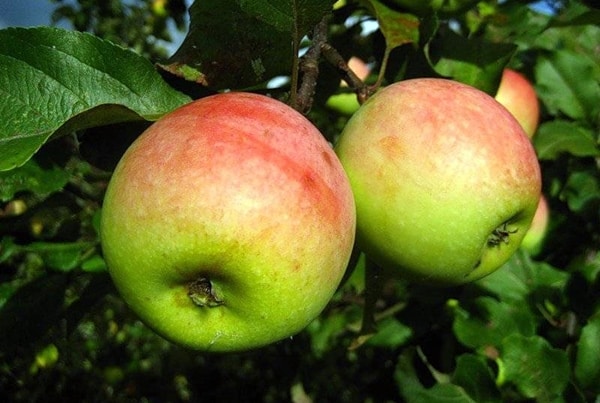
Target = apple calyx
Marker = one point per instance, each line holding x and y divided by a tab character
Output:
500	235
201	293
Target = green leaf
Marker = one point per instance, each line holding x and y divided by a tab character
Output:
412	390
61	256
560	136
476	378
397	28
536	369
569	83
473	61
582	190
488	321
587	362
391	333
53	80
234	44
520	276
33	178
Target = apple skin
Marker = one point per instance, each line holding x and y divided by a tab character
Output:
446	182
534	239
228	224
517	95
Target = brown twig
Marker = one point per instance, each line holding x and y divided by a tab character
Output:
334	58
309	66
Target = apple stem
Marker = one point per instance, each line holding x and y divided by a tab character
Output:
301	97
362	90
202	294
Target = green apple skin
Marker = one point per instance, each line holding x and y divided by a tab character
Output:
517	95
228	224
446	182
534	239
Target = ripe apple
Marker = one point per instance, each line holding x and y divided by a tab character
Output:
228	223
518	96
534	238
445	180
346	102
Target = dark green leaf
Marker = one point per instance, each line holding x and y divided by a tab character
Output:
577	14
582	190
61	256
33	178
472	61
488	321
534	367
413	391
236	44
560	136
31	311
587	363
50	77
520	276
562	88
476	378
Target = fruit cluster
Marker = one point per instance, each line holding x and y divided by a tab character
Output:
229	223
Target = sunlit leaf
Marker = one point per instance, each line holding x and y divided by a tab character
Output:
53	79
561	88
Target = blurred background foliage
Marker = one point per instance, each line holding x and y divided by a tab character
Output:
529	332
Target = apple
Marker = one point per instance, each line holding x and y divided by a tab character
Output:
446	182
228	224
346	102
534	238
517	95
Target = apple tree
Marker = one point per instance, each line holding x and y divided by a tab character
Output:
75	99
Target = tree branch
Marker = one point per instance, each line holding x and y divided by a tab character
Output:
309	66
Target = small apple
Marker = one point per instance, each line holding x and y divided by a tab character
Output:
534	239
228	223
346	102
445	180
517	95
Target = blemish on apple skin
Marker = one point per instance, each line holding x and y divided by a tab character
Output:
202	294
327	158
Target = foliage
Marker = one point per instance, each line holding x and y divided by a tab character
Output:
74	101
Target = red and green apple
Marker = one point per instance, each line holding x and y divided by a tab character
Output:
228	224
445	180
